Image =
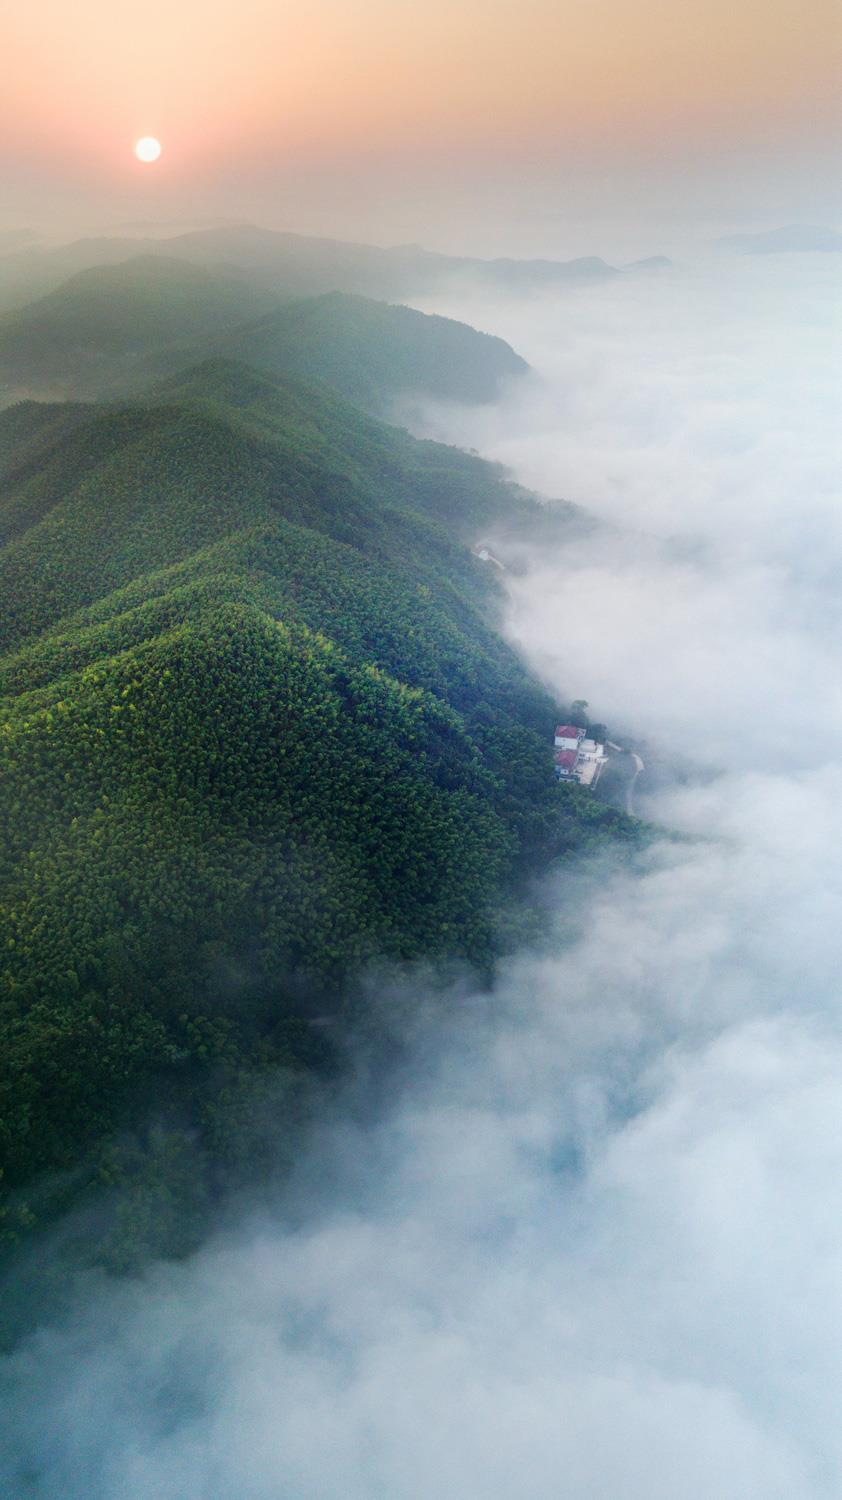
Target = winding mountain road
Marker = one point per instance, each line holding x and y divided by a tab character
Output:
639	766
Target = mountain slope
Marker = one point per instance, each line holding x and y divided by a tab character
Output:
114	328
259	729
91	330
372	351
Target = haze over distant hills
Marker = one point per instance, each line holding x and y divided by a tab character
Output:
291	265
649	263
790	238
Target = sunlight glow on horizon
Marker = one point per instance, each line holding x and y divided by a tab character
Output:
540	73
360	112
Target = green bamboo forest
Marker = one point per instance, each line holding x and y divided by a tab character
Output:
261	737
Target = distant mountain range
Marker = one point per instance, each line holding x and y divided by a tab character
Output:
791	238
294	265
114	328
649	263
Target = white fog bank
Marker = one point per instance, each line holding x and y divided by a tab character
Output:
593	1250
696	410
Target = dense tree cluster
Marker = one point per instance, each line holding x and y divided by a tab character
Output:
372	351
257	730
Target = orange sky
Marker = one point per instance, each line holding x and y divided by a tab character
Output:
229	86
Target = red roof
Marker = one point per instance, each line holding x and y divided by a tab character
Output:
566	759
568	732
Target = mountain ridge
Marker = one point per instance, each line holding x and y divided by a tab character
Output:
291	264
260	731
111	330
787	239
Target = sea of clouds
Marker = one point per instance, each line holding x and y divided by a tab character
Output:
591	1247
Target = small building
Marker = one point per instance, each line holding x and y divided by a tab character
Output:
567	736
577	756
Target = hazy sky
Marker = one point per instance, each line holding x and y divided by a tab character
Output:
527	117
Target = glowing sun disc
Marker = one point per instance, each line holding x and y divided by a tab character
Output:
147	148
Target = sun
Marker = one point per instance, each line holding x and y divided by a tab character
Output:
147	149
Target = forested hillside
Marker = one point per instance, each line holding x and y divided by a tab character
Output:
112	329
373	351
259	731
93	329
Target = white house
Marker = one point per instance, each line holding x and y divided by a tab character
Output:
577	757
567	736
